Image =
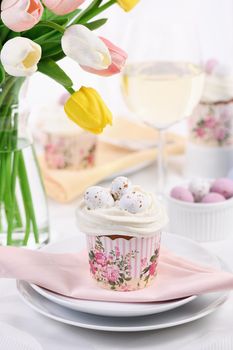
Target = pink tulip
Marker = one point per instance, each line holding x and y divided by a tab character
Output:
118	57
20	15
62	7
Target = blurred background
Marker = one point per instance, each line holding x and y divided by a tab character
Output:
212	20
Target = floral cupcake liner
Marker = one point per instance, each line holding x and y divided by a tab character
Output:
123	263
212	124
70	151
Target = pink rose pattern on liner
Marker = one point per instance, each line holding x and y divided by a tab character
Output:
120	268
212	125
70	152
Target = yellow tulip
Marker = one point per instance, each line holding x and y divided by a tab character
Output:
87	109
127	5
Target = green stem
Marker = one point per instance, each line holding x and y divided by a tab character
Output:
18	219
27	214
6	129
41	39
93	5
96	12
69	89
52	25
9	203
26	188
7	87
2	178
27	229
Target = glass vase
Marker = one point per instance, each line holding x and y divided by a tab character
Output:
23	205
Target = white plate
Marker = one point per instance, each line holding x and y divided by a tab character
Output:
13	338
111	309
202	306
179	245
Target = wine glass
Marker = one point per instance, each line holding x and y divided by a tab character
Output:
163	80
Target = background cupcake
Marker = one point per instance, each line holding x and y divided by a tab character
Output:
211	125
64	144
123	225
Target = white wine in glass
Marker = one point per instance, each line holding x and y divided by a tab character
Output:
163	81
162	93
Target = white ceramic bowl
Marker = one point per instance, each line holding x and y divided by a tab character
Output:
200	221
220	161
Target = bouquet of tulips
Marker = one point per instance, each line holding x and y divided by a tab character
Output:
34	36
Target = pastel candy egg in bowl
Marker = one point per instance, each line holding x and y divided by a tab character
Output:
199	188
223	186
208	219
213	197
182	194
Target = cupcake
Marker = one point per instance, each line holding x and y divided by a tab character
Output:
123	225
211	125
66	146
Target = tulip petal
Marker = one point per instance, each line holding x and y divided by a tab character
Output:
22	15
62	7
19	56
127	5
87	109
7	3
81	44
118	57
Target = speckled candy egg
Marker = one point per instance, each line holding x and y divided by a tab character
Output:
134	202
223	186
199	188
97	197
120	186
213	197
182	194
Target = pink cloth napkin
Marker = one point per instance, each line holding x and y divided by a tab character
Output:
68	274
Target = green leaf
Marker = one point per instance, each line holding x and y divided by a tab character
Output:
128	279
50	16
12	35
2	74
38	32
153	258
51	48
4	31
146	269
91	255
96	24
94	5
147	278
52	70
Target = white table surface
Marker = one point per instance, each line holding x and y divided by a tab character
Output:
53	335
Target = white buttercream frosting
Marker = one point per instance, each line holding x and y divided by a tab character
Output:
218	85
115	221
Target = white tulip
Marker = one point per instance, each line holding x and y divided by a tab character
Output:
19	56
83	46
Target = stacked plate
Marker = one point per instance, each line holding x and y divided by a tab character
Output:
125	317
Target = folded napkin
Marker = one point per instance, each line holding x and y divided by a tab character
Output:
66	185
68	274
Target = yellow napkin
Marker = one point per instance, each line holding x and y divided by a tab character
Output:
65	185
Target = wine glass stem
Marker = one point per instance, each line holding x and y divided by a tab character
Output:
160	163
